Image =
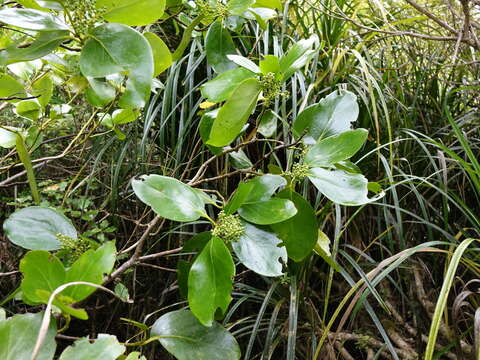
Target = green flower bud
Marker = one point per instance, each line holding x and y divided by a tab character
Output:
228	227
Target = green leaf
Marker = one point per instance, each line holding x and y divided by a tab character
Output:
322	249
238	198
186	338
239	160
29	4
116	48
295	53
90	267
31	19
210	281
169	198
162	58
266	212
342	187
124	116
43	87
10	87
260	251
8	139
100	93
43	45
135	356
265	186
244	62
299	233
41	271
271	4
18	335
261	15
105	347
218	44
205	127
235	113
268	124
28	109
269	64
332	115
238	7
336	148
132	12
36	228
222	87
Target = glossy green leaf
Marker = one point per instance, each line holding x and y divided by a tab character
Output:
18	335
29	4
132	12
299	233
115	48
43	87
169	198
124	116
41	271
105	347
266	212
44	44
336	148
135	356
239	160
332	115
238	198
270	63
205	127
342	187
245	62
265	186
10	87
222	87
31	19
268	124
28	109
8	139
260	251
186	338
261	15
271	4
100	93
238	7
162	57
299	63
210	281
218	44
295	52
90	267
235	113
36	228
322	249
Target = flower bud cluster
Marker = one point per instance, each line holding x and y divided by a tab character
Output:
74	248
271	88
228	227
83	15
298	172
210	10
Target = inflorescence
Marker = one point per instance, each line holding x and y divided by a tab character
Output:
228	227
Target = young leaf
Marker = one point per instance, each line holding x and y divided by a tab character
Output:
222	87
43	87
332	115
124	116
238	198
260	251
162	56
28	109
18	335
322	249
36	228
266	212
132	12
8	138
115	48
295	52
41	271
169	198
235	113
10	87
342	187
219	44
270	63
299	233
186	338
210	281
244	62
105	347
336	148
31	19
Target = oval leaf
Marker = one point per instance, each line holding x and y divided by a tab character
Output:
169	198
36	228
260	251
162	57
31	19
235	113
222	87
219	44
210	281
185	338
132	12
105	347
267	212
